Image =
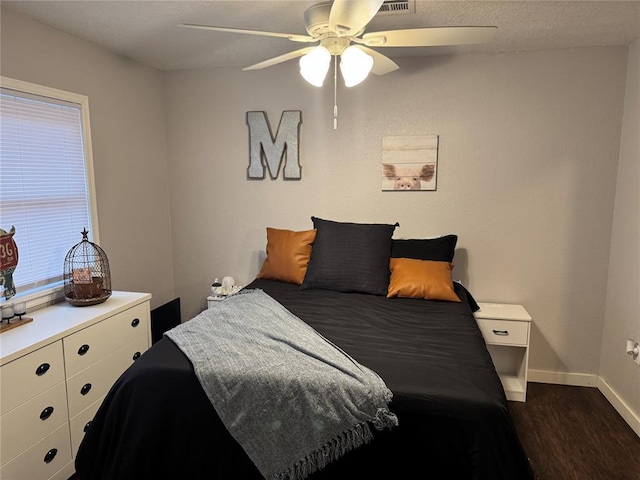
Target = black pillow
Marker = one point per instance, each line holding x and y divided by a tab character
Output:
350	257
440	249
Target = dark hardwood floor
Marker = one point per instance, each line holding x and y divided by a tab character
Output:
574	433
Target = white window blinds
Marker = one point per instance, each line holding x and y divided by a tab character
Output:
43	183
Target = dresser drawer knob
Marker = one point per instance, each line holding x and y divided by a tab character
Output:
46	413
42	369
51	454
501	332
83	349
135	322
86	427
85	389
136	356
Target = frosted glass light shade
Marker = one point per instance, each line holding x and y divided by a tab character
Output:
315	65
355	65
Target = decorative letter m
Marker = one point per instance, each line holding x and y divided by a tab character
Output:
264	149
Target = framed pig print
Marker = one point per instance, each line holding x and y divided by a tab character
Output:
409	163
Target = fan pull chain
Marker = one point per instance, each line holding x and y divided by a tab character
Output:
335	92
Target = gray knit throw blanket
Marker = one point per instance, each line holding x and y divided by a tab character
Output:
294	401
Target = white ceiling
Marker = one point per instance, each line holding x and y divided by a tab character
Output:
146	30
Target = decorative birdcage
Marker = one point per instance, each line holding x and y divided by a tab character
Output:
87	279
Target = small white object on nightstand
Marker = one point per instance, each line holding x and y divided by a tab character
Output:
506	330
226	293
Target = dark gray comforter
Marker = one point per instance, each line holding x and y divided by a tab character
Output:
454	421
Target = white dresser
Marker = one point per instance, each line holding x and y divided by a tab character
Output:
54	374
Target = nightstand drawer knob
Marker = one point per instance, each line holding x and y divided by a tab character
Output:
42	369
86	427
83	349
501	332
136	356
85	389
51	454
46	413
135	322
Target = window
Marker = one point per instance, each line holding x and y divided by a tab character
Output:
46	180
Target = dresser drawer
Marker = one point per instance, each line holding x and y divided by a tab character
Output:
504	332
25	425
28	376
90	384
42	460
84	348
80	424
67	472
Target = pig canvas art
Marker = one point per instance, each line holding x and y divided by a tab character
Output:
408	177
409	162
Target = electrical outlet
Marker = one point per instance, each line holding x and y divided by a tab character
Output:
633	349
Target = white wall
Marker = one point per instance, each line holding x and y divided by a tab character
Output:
129	152
623	290
527	173
529	146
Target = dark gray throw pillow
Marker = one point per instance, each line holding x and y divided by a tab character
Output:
440	249
350	257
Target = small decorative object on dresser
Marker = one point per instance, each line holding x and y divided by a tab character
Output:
9	313
8	261
87	279
506	330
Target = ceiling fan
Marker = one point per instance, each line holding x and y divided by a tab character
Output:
338	28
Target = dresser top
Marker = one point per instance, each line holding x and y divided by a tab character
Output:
60	320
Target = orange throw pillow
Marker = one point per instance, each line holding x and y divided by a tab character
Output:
412	278
288	254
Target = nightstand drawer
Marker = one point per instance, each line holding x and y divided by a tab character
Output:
30	375
504	332
86	347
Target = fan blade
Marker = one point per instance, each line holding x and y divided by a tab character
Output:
349	17
291	36
430	37
280	59
381	63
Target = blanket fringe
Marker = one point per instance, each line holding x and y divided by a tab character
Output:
329	452
384	419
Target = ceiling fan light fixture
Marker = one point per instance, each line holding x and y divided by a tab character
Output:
355	65
315	65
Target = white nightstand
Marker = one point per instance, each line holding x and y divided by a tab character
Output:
212	300
506	330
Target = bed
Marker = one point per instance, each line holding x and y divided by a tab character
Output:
452	416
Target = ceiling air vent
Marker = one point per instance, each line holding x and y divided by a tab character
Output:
394	7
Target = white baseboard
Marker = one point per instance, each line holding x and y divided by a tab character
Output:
563	378
622	408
